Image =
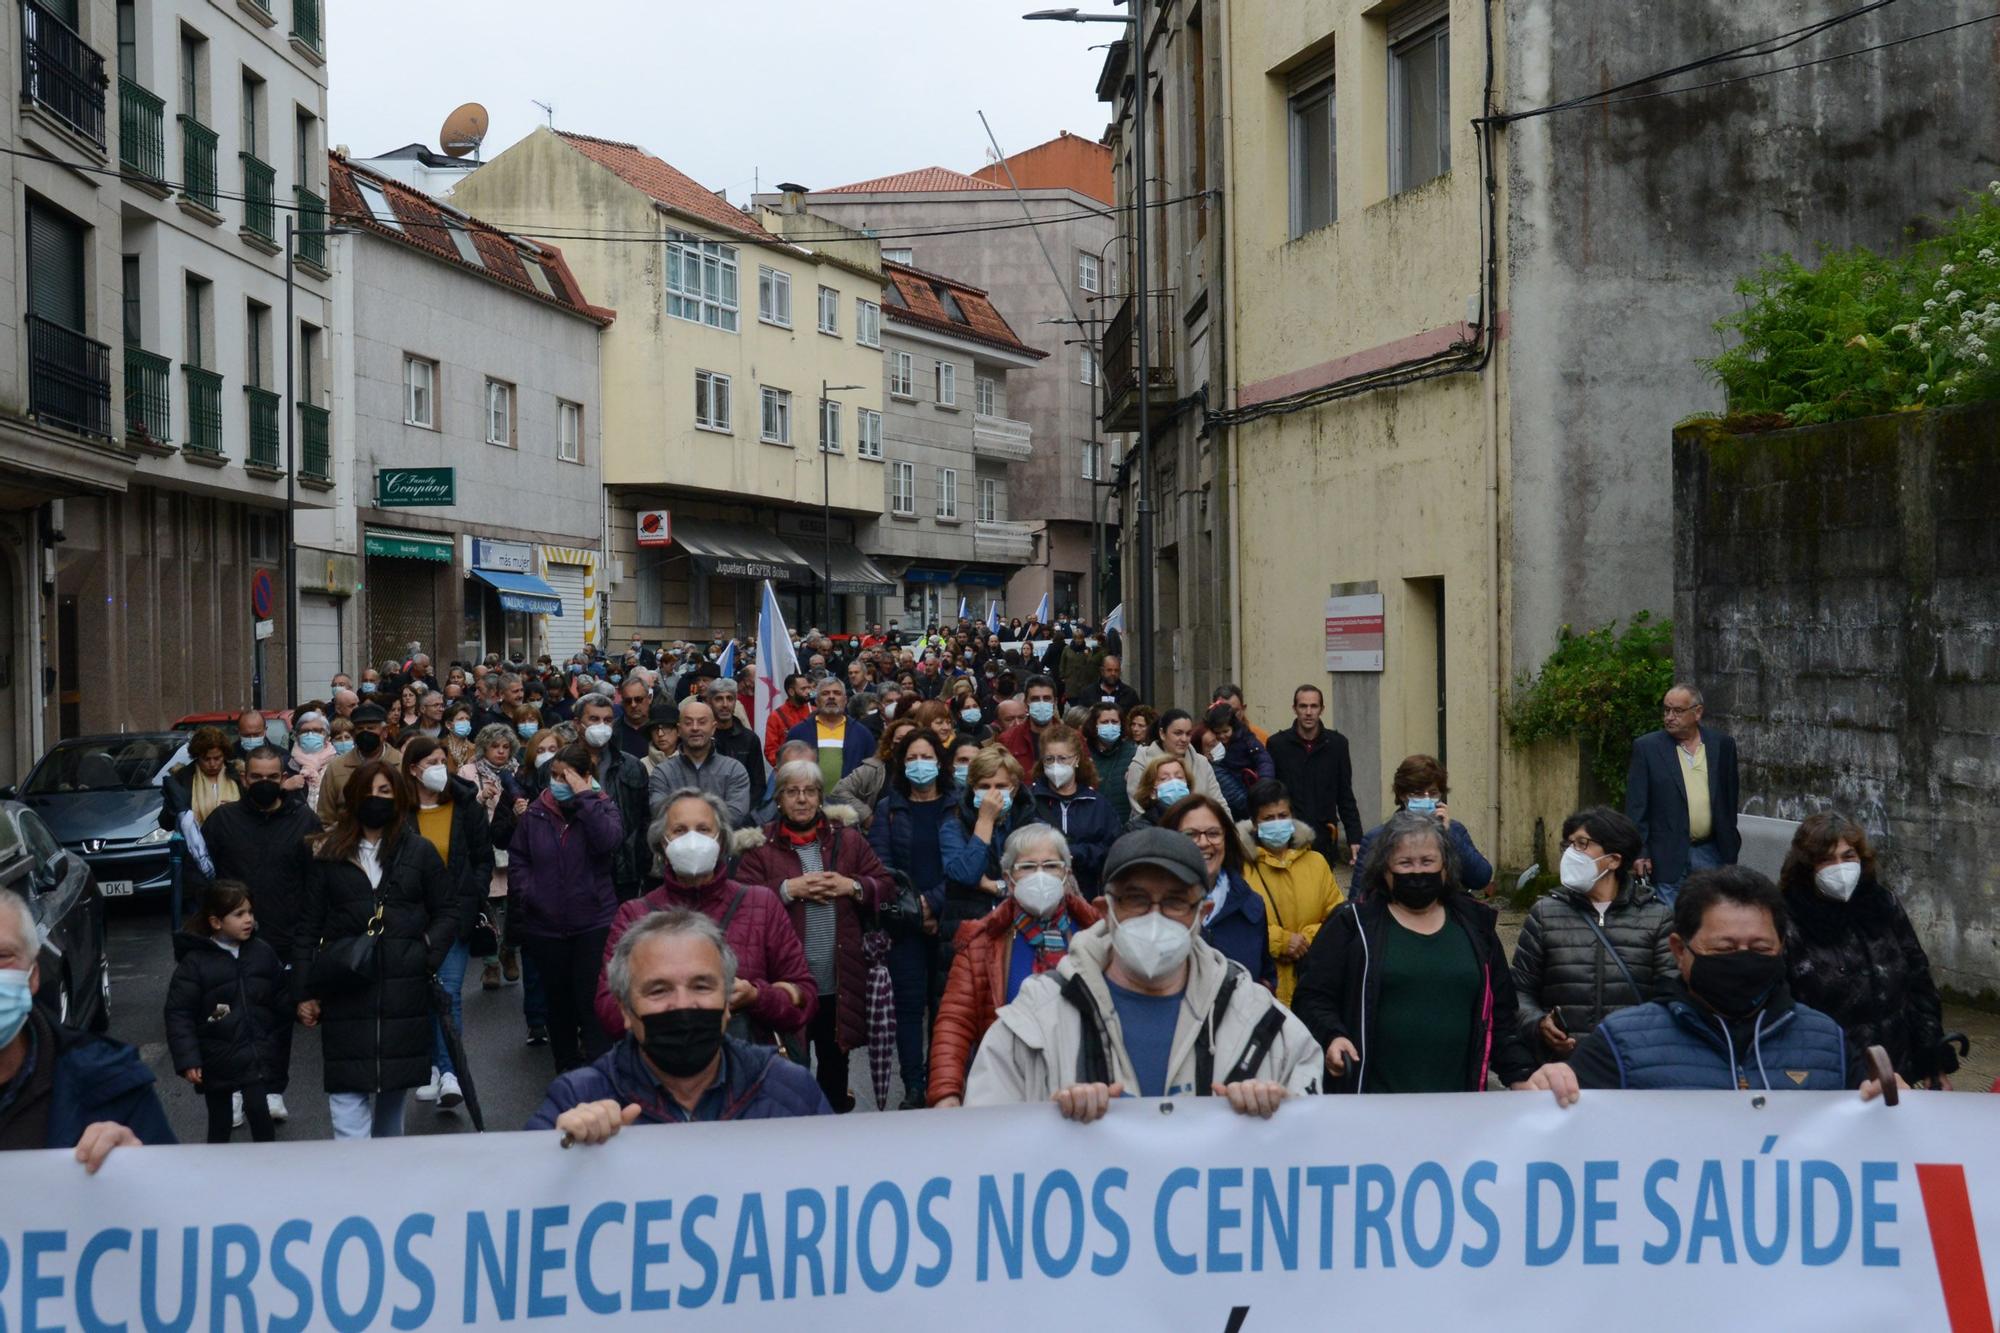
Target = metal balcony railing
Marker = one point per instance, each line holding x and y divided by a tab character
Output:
204	390
142	131
311	226
1119	365
259	208
305	23
60	72
1002	437
69	378
264	408
198	163
149	404
315	457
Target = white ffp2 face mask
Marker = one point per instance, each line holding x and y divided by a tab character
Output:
1578	870
598	734
1152	946
1840	880
693	855
1039	893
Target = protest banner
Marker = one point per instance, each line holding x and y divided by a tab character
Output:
1636	1211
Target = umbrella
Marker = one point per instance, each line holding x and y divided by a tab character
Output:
454	1045
881	1017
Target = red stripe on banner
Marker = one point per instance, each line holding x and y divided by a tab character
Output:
1955	1242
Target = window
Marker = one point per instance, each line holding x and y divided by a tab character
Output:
468	250
867	323
896	254
829	426
947	384
902	373
948	493
948	303
1086	272
133	310
194	54
569	432
983	395
308	364
419	392
711	400
777	424
537	274
257	345
1093	460
829	311
868	438
378	203
199	330
1419	98
1313	174
253	115
701	281
500	413
774	297
902	488
304	134
128	39
989	500
1089	366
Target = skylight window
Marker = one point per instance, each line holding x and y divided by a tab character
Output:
950	304
537	275
378	204
462	238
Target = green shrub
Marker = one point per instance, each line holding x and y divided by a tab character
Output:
1601	688
1865	333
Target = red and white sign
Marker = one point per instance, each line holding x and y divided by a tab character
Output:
1354	633
656	527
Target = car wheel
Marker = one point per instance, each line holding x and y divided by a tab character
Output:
100	1022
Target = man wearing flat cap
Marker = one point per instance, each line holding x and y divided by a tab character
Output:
1142	1007
371	741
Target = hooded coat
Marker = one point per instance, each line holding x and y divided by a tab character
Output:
1299	893
225	1013
560	867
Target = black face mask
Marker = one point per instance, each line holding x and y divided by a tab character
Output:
1735	985
265	793
367	743
681	1041
375	812
1418	889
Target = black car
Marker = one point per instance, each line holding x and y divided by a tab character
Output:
75	970
100	796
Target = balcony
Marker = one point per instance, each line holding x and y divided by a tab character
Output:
204	391
311	228
69	378
305	27
1119	366
149	404
315	457
1004	542
264	408
198	182
1003	438
142	131
259	206
60	73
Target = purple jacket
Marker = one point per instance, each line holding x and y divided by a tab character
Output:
559	867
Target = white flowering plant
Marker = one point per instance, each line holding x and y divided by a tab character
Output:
1863	333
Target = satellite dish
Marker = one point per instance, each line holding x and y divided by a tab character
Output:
464	130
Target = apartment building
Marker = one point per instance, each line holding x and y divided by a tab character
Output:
952	450
157	151
743	432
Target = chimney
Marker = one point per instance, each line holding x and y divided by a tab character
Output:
795	196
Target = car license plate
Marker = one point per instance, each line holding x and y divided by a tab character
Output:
115	888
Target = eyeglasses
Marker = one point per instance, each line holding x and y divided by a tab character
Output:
1134	904
1049	867
1672	711
1204	835
794	793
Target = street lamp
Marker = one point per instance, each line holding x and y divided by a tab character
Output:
826	493
1136	21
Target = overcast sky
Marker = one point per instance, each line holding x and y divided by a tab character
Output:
822	92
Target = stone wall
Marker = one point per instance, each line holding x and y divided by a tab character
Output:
1837	599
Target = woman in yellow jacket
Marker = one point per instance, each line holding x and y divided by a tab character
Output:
1295	882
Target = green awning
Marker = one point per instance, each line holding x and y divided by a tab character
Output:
409	546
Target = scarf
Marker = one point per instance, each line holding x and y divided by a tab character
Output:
207	794
801	837
1049	939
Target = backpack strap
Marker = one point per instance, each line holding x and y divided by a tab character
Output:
1092	1065
1204	1050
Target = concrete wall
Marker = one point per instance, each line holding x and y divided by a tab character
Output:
1835	600
1628	227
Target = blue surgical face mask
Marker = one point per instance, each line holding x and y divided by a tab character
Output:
561	790
16	1002
528	729
959	772
1042	711
1109	732
251	742
922	772
312	742
1275	832
461	728
971	716
343	745
617	679
368	687
1421	805
1006	800
1170	791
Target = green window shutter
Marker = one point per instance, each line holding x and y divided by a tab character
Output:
55	268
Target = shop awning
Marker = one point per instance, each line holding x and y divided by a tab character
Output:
522	592
854	575
409	546
738	551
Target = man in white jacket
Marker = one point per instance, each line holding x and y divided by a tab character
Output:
1142	1007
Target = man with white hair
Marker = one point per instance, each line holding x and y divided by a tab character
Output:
672	974
61	1088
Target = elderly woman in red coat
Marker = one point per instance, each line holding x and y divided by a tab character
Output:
821	865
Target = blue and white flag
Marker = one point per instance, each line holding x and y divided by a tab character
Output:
1116	620
728	661
963	614
775	658
1042	610
992	616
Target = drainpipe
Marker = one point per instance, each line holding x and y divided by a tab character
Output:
1227	352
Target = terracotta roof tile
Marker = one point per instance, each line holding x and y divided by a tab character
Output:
664	183
924	180
425	229
923	306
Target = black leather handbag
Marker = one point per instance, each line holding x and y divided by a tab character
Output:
348	964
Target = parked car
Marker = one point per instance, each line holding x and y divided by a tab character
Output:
76	970
100	797
277	723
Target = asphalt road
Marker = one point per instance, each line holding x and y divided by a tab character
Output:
511	1076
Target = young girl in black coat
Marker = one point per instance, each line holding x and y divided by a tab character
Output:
225	1006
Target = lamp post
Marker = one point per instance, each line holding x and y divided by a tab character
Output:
826	497
1144	599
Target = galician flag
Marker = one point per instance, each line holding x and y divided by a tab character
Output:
992	616
1042	610
962	614
728	662
1116	620
775	658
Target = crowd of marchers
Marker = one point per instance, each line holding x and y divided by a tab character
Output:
982	862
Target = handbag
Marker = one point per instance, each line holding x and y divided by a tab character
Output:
906	908
484	941
348	964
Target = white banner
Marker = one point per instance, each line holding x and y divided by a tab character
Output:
1631	1211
